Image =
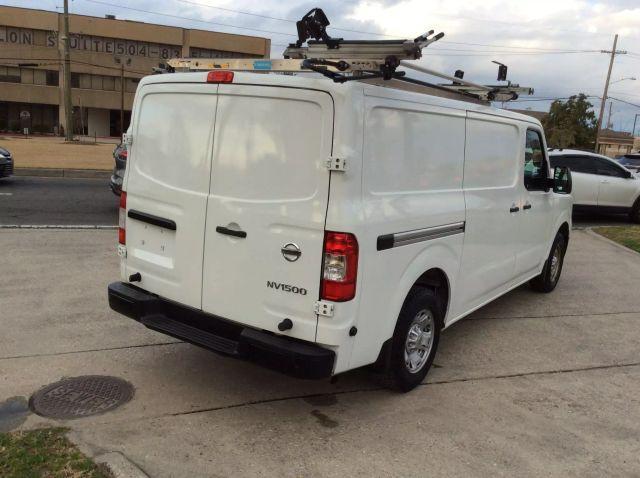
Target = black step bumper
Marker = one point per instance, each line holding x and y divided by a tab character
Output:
293	357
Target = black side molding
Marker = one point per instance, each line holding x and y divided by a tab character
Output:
385	242
151	219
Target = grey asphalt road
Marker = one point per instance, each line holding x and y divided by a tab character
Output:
26	200
530	385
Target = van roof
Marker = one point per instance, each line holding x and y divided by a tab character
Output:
339	89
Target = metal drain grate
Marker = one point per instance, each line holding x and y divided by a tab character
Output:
79	397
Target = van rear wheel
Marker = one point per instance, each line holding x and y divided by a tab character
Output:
414	341
548	278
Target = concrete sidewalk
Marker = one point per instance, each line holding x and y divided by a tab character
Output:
530	385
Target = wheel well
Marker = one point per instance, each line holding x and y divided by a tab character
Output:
436	280
564	230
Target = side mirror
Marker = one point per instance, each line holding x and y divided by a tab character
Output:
562	183
628	174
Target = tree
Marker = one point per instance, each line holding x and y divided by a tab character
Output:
571	123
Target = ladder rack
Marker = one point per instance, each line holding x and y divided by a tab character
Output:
354	60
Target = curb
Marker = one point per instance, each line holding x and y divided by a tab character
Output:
119	465
593	233
62	173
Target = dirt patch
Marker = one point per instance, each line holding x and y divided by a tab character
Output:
54	153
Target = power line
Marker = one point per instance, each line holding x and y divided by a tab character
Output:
504	53
288	20
623	101
101	2
140	10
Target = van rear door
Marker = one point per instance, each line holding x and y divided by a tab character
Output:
167	186
269	192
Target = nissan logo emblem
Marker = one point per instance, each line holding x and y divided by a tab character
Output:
291	252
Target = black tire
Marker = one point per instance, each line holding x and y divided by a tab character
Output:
397	375
634	215
548	278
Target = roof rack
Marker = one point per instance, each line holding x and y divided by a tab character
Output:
355	60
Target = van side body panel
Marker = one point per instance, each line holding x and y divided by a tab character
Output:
412	167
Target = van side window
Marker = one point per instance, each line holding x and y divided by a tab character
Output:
535	165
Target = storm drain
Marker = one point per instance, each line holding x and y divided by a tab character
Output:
79	397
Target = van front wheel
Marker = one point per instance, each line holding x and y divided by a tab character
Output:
548	278
415	340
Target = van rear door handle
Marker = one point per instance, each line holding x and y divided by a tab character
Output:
231	232
514	208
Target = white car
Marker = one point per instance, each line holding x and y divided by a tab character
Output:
318	227
600	184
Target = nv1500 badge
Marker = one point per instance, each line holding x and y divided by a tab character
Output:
286	288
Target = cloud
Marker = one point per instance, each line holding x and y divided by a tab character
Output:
512	27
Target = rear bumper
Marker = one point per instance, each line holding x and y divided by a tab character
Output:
291	356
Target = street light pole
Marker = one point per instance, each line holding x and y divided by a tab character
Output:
68	108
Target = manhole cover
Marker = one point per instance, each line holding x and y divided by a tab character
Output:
79	397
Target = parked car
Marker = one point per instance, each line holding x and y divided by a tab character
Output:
317	227
630	161
6	163
600	184
120	154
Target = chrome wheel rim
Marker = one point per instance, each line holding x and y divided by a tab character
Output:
419	341
556	260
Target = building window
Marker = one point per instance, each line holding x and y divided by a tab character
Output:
75	80
9	74
109	83
96	82
26	76
52	78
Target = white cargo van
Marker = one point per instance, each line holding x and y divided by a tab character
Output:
318	227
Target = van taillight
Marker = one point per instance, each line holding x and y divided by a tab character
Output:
122	217
220	76
339	267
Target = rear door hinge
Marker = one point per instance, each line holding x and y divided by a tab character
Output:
336	164
127	139
323	308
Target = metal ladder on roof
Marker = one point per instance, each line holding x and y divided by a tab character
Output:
355	60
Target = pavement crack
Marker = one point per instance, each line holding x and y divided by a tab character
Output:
534	373
581	314
73	352
373	389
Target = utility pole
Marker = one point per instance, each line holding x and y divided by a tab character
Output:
613	52
122	62
121	99
68	109
633	133
609	124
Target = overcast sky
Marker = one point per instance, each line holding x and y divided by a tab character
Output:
542	41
